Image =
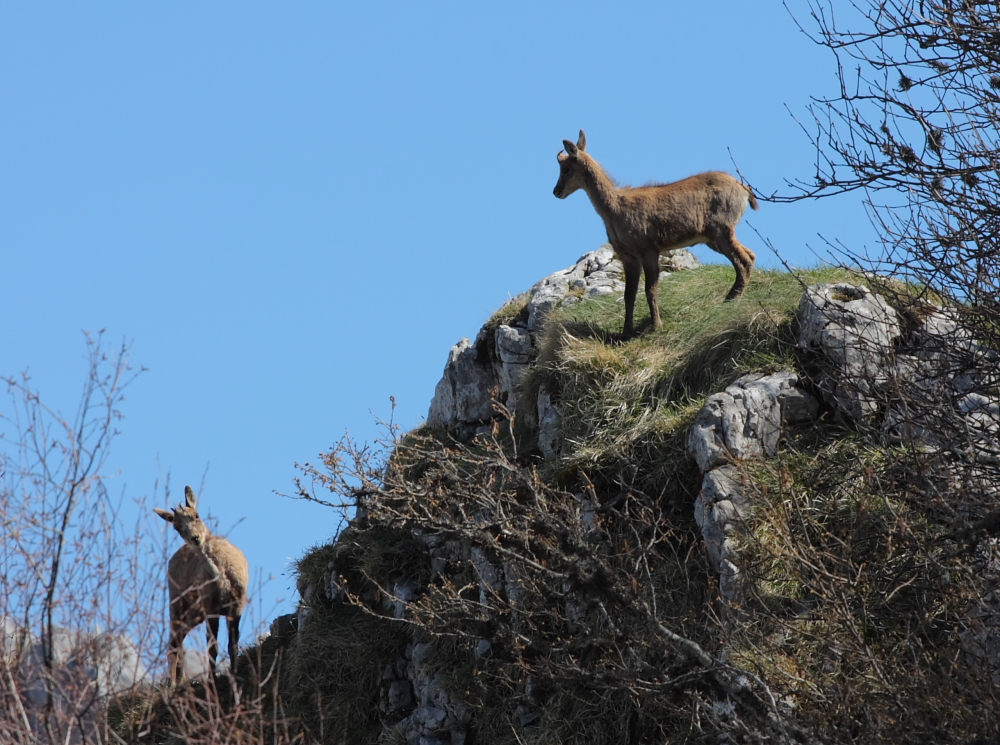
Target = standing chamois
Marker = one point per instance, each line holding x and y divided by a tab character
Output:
208	579
645	221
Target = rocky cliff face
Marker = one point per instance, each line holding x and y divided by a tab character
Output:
479	374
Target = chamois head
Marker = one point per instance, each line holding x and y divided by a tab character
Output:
185	519
570	173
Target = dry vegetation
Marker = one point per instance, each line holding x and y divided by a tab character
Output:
605	625
857	593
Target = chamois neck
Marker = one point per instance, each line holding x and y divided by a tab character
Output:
207	549
600	188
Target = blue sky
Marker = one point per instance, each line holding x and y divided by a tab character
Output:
293	210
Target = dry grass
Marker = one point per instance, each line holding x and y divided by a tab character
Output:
854	597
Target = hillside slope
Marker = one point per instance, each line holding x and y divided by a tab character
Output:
771	521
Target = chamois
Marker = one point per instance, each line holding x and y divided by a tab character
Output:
208	579
645	221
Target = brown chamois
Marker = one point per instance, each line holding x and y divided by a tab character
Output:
645	221
208	578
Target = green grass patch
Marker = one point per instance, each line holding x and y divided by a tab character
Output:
628	403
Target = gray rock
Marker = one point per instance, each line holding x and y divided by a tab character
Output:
940	362
850	332
87	669
591	269
676	261
746	420
514	345
515	349
464	397
402	594
400	695
464	393
549	425
595	274
720	486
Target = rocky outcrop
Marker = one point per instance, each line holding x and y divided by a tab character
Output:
930	386
847	335
86	670
861	363
491	368
463	396
745	421
870	372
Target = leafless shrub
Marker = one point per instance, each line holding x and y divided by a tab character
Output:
577	615
858	597
82	593
915	124
76	594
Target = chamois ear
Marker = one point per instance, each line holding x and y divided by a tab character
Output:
581	143
168	516
189	498
570	148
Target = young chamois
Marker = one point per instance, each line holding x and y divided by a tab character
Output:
645	221
208	579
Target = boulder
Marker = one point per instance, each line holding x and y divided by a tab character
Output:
847	334
745	420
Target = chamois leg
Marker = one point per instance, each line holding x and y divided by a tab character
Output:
233	627
175	651
651	269
725	242
632	271
212	632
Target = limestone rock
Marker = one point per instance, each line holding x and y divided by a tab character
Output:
495	364
463	395
400	695
745	421
941	362
515	348
549	425
87	669
848	333
595	274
